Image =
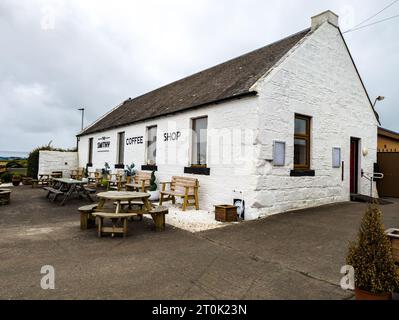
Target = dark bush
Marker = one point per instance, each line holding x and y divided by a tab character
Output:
6	177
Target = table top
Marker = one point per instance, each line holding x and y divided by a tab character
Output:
123	195
69	181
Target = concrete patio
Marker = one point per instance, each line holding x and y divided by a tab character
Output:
294	255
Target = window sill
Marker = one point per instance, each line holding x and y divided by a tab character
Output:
119	166
198	170
149	168
302	173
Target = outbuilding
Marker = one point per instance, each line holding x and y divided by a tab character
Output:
287	126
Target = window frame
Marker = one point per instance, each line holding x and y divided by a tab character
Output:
192	165
147	144
121	142
305	137
91	147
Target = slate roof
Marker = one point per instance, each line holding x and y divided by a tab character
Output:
228	80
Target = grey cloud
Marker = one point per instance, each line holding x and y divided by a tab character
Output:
97	53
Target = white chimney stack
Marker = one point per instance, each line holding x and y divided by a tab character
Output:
326	16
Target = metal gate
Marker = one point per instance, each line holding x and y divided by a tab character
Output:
388	164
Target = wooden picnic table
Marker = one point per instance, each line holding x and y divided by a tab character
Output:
125	196
119	214
66	187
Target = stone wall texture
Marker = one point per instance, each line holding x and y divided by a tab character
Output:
50	161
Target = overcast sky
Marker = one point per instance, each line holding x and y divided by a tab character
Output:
59	55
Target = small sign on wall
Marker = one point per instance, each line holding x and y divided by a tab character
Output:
336	157
278	153
103	144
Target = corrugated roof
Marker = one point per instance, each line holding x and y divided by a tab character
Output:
228	80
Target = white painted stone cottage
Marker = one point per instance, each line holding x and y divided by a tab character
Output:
289	125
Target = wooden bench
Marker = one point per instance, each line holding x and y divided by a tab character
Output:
44	179
158	215
56	174
141	181
95	178
77	174
5	196
89	189
51	190
114	217
87	220
183	187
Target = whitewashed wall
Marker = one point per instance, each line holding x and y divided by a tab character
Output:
50	161
319	80
231	169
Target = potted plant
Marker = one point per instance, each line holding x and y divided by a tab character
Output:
130	172
376	275
106	170
153	188
85	177
16	180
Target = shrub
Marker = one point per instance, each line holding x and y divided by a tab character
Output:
153	184
371	256
107	169
6	177
130	171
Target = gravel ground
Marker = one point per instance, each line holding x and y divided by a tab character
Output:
193	220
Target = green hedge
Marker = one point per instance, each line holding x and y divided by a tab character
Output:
6	177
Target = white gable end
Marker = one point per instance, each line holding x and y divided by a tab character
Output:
317	78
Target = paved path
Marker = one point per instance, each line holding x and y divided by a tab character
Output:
289	256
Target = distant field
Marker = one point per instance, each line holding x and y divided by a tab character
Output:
21	171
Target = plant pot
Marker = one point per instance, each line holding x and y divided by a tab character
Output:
365	295
16	183
225	213
154	195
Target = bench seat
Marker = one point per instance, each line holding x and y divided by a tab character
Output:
52	190
177	194
55	192
158	215
182	187
87	220
141	181
115	229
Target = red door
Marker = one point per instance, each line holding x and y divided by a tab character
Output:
354	164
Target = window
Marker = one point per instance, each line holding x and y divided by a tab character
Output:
199	142
302	142
121	148
152	145
90	159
